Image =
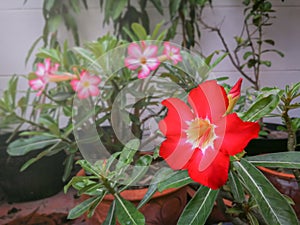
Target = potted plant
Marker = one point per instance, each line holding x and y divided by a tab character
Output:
202	140
285	180
42	179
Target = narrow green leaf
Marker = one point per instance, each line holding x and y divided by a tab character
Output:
54	22
273	206
127	213
159	176
82	208
22	146
128	152
118	8
199	208
173	7
236	187
177	180
158	6
68	166
139	31
277	160
261	108
156	30
111	217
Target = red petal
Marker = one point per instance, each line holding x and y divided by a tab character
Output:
177	117
209	100
238	133
215	175
176	152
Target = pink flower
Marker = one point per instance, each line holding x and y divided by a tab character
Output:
86	86
143	58
172	53
43	73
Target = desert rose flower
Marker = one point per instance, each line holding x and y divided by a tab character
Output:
172	53
142	58
86	86
46	73
201	137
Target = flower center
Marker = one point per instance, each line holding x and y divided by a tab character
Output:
143	60
86	84
201	133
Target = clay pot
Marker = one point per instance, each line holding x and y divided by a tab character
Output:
285	184
164	207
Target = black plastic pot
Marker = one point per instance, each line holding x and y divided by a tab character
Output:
42	179
263	145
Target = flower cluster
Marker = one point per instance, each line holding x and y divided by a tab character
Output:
145	59
85	84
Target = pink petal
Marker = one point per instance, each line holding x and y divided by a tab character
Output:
36	84
41	70
144	72
83	93
47	63
132	63
94	90
153	63
74	84
150	51
176	59
134	50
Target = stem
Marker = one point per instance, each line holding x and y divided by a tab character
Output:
292	141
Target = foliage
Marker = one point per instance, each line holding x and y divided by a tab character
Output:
251	45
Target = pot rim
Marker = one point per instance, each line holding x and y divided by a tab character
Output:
276	173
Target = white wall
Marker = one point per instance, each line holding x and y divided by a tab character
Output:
21	24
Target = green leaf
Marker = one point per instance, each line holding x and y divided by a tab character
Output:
118	8
236	187
173	7
266	63
177	180
158	6
22	146
218	60
277	160
199	207
261	108
273	206
128	153
49	4
156	30
54	22
68	166
111	217
82	207
159	176
269	41
127	213
139	170
246	55
139	31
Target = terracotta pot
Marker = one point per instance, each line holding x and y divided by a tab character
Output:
164	207
286	184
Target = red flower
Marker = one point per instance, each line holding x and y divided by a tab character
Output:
201	137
